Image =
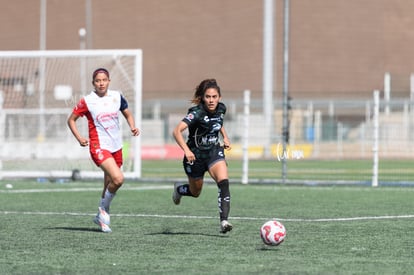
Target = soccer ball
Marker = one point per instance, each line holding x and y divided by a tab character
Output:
273	232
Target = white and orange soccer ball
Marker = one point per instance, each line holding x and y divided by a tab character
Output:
273	232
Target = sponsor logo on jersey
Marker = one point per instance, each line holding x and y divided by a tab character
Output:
215	128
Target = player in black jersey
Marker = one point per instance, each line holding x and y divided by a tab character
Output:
202	151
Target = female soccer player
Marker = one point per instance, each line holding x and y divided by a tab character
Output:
101	107
202	151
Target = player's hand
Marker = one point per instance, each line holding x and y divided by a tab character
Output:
135	131
190	157
226	144
83	142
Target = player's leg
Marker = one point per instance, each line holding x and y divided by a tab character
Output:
107	180
195	173
111	164
102	217
192	188
218	171
113	180
113	171
195	186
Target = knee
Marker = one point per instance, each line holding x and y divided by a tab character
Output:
196	185
118	180
115	184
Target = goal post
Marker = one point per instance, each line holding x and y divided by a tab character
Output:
38	90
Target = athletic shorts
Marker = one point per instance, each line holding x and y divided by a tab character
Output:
100	155
198	168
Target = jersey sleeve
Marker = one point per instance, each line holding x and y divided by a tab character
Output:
81	108
221	108
192	115
124	104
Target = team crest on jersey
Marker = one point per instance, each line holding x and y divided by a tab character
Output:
189	116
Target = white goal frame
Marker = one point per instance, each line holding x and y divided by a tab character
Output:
133	77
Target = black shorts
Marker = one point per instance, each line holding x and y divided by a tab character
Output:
203	162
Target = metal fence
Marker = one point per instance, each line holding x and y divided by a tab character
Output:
330	141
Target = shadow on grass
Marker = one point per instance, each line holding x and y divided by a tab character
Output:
267	248
85	229
169	232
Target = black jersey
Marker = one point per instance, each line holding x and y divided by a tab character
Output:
204	126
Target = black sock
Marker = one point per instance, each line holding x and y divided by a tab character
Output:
184	190
224	199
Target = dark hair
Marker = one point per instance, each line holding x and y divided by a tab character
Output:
100	70
201	89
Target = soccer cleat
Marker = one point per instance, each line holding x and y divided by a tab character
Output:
176	197
103	216
225	227
104	227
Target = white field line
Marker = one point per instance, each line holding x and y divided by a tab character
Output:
158	187
365	218
84	189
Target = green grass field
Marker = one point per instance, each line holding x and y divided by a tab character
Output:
391	171
328	171
46	228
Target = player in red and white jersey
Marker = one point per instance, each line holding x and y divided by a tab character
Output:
101	108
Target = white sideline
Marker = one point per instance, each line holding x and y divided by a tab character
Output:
158	187
83	189
209	217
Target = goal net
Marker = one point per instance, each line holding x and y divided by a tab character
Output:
38	90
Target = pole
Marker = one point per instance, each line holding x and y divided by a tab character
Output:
387	92
245	174
412	89
136	141
2	127
43	13
42	71
268	45
411	107
285	88
375	120
88	19
82	46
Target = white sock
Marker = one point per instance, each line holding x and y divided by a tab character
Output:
101	205
106	200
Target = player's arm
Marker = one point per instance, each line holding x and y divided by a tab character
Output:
74	129
178	136
226	140
131	122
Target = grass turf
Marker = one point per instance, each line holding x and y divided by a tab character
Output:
48	229
390	171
